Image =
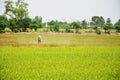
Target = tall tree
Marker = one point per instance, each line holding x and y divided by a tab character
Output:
84	24
56	28
76	26
39	19
117	26
98	21
3	23
12	24
107	25
26	23
53	25
16	10
102	22
34	24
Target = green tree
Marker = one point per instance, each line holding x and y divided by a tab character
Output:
52	25
39	19
98	21
107	25
117	26
12	24
16	10
56	28
34	24
3	23
76	26
26	23
102	22
84	24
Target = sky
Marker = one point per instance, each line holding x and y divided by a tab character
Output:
72	10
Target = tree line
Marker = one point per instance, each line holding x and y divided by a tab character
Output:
16	18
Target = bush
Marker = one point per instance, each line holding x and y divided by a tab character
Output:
2	31
95	28
51	29
90	31
67	30
56	28
98	31
28	30
46	30
77	31
16	30
7	30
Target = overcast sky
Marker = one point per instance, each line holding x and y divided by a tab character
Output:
70	10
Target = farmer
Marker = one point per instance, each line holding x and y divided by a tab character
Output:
39	39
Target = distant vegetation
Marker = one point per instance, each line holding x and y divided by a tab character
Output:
16	19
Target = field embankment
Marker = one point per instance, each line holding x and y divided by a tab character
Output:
59	39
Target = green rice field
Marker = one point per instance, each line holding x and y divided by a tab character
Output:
59	57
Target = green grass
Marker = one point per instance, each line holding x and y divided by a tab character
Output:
71	57
60	63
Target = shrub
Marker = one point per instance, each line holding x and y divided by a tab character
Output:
67	30
7	30
56	28
51	28
90	31
2	31
77	31
95	28
16	30
98	31
28	30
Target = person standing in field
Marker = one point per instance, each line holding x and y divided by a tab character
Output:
39	39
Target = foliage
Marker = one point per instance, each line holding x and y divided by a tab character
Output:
26	23
51	23
34	24
68	30
107	26
39	19
76	26
17	11
56	28
117	26
98	31
84	24
7	30
3	23
16	30
12	24
95	28
51	28
102	21
98	21
56	25
66	27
